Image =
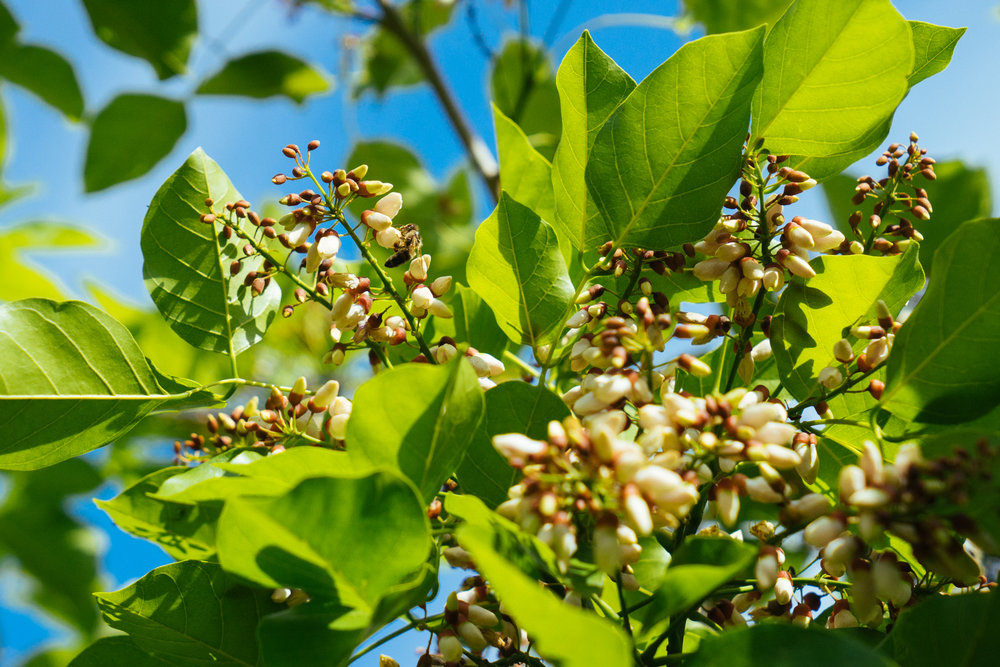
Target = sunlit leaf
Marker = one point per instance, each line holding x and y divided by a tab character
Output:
662	164
422	431
21	278
784	644
518	270
524	173
833	74
812	315
933	46
524	90
940	369
71	379
591	86
186	263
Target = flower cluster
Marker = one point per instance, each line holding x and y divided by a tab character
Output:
894	196
286	420
880	337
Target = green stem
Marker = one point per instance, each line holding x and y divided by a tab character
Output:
392	635
520	363
796	411
621	603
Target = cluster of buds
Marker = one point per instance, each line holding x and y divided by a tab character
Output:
741	271
609	341
286	420
895	196
621	261
880	337
485	365
590	468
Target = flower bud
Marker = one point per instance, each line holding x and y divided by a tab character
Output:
694	366
831	377
821	531
458	557
389	205
796	264
439	308
449	646
766	569
441	285
773	278
324	396
798	236
482	617
389	237
419	267
377	221
710	269
783	588
578	319
518	446
386	661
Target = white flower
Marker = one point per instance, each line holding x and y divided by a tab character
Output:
389	205
388	238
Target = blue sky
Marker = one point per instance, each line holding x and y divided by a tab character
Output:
953	112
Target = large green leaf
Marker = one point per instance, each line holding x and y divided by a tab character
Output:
121	145
516	267
322	537
52	548
418	419
185	531
189	613
959	193
941	369
833	74
117	650
524	89
524	174
564	634
948	630
267	74
662	164
733	15
698	568
21	278
812	315
46	74
932	46
785	645
158	32
71	379
186	263
591	86
512	407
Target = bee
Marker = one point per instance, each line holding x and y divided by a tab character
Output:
407	247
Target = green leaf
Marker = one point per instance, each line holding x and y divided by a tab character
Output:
834	74
664	161
122	147
524	174
160	33
732	15
517	269
186	264
296	541
21	278
812	315
71	380
8	26
322	633
524	90
591	86
117	650
267	74
189	613
46	74
954	630
784	645
562	633
52	548
700	566
959	193
387	61
932	48
418	419
184	531
511	407
941	369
